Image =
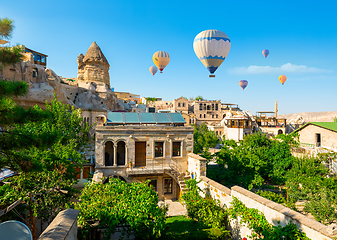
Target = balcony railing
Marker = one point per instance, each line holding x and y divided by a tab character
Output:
154	166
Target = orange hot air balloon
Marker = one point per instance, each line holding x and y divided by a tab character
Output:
282	79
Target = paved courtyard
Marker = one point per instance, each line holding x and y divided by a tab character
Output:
175	208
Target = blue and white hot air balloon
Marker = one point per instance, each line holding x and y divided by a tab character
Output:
212	48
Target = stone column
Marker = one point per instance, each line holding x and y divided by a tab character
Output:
115	156
126	155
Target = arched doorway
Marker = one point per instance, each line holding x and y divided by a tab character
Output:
279	132
109	154
120	153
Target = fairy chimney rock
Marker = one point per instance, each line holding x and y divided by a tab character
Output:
93	67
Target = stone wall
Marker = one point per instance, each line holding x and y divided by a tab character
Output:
63	227
275	213
328	137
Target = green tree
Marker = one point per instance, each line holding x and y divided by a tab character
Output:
6	28
41	145
203	139
133	207
46	154
151	99
256	160
308	180
197	98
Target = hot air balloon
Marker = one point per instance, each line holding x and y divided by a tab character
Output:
243	84
161	59
282	79
153	70
265	53
212	48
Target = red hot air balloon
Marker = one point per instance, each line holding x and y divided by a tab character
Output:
243	84
265	53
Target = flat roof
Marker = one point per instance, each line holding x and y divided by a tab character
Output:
144	118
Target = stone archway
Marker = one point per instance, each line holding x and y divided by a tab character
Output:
109	154
279	132
121	153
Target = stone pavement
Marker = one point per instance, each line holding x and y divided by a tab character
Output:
175	208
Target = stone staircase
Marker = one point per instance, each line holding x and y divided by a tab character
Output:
180	178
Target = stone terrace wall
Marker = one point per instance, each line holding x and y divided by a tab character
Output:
275	213
63	227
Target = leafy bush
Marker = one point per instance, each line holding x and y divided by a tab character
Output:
130	206
272	196
261	229
206	210
307	180
256	160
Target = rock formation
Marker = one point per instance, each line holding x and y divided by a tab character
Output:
90	92
93	70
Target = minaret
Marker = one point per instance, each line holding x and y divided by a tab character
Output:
276	109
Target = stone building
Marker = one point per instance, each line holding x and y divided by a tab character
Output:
144	146
319	134
208	112
235	127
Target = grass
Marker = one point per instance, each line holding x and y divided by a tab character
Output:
183	228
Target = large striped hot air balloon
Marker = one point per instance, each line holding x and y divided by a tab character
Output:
243	84
153	70
212	48
282	79
265	53
161	59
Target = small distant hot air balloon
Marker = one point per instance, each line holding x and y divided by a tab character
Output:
282	79
161	59
212	48
153	70
243	84
265	53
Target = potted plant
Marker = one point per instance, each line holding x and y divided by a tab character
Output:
130	164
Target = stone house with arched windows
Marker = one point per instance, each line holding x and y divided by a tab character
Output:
144	146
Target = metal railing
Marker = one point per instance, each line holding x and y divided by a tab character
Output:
153	166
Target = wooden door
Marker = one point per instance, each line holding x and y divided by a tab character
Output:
140	154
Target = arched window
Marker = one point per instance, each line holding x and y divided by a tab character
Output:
208	107
120	153
200	106
109	154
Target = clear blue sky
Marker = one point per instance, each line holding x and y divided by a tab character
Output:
301	37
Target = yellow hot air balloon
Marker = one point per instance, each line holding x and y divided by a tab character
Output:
282	79
161	59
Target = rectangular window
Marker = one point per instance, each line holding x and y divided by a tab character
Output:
216	115
153	184
183	104
178	104
212	115
200	115
204	115
168	186
176	149
159	149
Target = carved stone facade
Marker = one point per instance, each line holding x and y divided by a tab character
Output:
165	149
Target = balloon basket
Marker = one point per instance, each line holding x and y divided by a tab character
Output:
211	75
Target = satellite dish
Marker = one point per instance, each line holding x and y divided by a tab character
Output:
15	230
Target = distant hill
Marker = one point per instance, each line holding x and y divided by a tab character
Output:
312	116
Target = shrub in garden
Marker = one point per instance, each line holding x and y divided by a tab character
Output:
206	210
261	228
272	196
133	207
